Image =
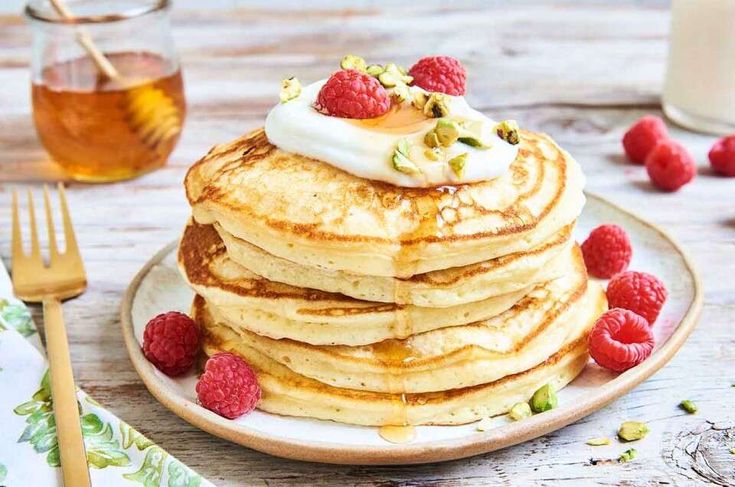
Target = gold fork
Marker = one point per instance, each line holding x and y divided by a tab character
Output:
62	278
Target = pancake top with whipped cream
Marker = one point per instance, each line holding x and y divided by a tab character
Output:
305	208
415	138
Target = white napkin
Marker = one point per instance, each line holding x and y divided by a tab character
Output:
117	454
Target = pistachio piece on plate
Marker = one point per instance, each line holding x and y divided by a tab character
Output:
290	89
628	455
633	430
544	399
598	441
688	406
519	411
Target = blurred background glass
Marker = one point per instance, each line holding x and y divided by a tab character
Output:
699	91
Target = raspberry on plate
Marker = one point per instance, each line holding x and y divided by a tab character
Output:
228	386
642	137
171	342
443	74
670	166
620	340
352	94
642	293
722	156
607	251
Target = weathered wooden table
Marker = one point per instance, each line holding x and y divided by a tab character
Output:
581	72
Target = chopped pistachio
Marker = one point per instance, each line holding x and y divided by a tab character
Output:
688	406
457	164
519	411
628	455
447	131
419	100
431	154
374	69
404	147
401	92
401	161
431	139
508	131
633	430
485	424
544	399
598	441
436	106
290	89
403	164
732	450
351	61
392	76
471	134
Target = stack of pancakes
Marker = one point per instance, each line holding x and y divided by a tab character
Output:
366	303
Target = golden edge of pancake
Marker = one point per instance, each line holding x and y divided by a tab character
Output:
291	394
312	239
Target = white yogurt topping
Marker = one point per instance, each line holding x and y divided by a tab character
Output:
367	152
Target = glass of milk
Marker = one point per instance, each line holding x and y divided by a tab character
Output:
699	92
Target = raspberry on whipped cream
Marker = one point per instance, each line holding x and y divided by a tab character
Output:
381	122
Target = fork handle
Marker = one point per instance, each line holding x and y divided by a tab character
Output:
64	394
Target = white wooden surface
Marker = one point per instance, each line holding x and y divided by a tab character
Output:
580	71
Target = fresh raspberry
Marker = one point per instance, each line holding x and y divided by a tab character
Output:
607	251
642	137
228	386
620	340
351	94
439	73
171	342
638	292
722	156
670	166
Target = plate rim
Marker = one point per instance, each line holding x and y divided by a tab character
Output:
424	452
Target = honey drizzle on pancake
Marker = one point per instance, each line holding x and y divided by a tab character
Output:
396	352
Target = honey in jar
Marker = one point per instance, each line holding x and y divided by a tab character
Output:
90	124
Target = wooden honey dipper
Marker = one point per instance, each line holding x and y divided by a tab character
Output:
152	114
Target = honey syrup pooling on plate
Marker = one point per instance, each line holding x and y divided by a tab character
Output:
84	119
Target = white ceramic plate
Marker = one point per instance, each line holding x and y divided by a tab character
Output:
158	288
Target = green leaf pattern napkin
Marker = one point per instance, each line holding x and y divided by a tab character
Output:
29	455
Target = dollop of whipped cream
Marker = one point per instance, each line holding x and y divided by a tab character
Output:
365	148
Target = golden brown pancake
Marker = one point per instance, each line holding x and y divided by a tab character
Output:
443	288
288	393
313	214
277	310
460	356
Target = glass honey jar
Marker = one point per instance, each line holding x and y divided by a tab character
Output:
106	86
